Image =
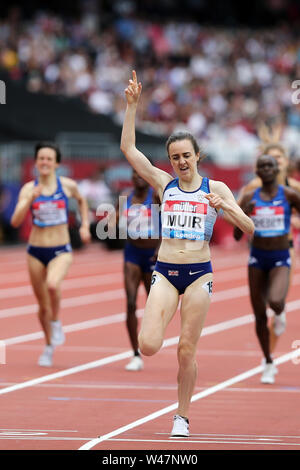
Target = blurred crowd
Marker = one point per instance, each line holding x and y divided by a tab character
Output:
217	82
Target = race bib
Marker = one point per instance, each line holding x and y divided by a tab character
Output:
155	279
184	219
268	219
50	212
208	286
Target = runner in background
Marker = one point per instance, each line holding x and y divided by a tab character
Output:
269	263
270	145
139	213
49	252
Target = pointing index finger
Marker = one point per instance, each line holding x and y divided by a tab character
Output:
134	76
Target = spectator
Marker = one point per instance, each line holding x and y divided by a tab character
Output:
207	80
96	191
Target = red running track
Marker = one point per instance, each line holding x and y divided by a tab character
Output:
87	393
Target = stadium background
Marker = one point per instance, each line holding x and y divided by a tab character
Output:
214	68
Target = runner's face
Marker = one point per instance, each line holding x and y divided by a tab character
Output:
183	158
280	158
46	161
267	168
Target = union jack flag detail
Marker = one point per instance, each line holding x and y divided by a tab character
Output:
173	273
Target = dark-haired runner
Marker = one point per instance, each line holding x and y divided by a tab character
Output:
49	252
189	205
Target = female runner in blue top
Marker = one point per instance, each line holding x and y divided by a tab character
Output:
188	211
138	212
269	263
49	250
270	145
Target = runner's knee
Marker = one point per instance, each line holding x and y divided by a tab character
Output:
52	286
277	305
149	345
131	305
44	311
185	353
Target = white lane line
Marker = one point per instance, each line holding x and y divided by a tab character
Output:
68	284
89	299
44	438
173	441
136	386
263	390
197	396
203	441
108	320
253	439
36	430
66	372
108	386
238	436
22	276
120	317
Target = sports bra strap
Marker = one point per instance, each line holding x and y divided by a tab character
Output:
205	185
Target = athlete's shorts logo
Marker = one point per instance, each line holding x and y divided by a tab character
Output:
195	272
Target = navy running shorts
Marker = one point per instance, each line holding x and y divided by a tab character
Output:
182	275
268	259
46	254
143	257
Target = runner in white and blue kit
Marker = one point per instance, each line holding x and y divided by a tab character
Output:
186	215
49	252
188	212
269	261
